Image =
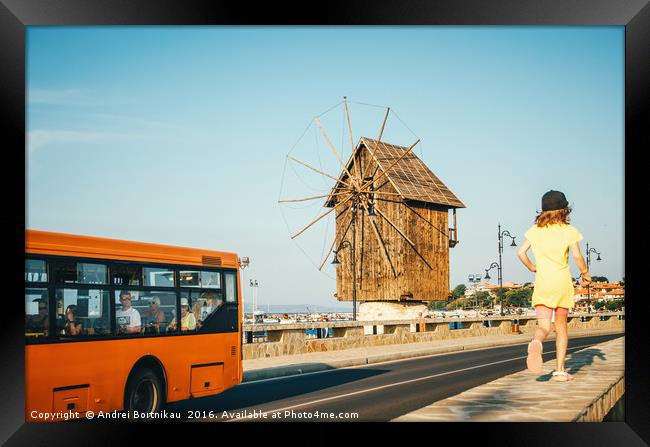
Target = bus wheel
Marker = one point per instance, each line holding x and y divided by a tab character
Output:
144	392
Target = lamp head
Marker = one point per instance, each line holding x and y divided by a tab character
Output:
371	210
335	261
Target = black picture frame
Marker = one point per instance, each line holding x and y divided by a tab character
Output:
15	15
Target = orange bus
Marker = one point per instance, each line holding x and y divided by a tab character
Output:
102	325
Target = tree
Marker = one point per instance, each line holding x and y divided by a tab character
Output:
614	305
519	297
599	304
599	279
482	298
501	292
437	305
459	291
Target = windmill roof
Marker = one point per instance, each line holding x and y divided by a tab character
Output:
410	177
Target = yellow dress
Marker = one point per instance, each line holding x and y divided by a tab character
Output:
553	282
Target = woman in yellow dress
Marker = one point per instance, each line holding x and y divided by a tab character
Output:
551	238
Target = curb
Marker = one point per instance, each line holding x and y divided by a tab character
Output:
598	409
304	368
589	403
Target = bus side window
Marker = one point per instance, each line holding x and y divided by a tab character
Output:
36	313
206	304
231	293
156	311
189	321
82	312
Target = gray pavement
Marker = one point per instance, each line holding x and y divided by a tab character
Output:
270	367
528	397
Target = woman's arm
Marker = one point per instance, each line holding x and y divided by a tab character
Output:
523	256
580	262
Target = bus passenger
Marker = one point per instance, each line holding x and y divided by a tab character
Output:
128	318
40	322
188	320
72	326
155	315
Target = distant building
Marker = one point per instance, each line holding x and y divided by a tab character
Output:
600	291
490	288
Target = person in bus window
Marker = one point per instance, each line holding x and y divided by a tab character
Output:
128	318
72	326
209	303
188	320
154	315
39	322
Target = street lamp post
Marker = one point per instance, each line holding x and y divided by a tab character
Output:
351	246
501	234
254	285
243	263
589	251
487	275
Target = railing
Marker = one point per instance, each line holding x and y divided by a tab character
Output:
270	340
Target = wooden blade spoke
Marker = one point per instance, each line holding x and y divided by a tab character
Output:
361	258
321	216
383	125
382	185
394	226
356	167
342	212
334	241
333	148
371	158
381	132
383	193
347	114
387	200
404	236
313	197
320	172
406	152
381	241
425	219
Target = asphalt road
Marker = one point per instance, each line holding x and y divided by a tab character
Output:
377	392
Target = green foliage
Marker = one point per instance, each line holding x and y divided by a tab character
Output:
599	279
519	297
614	305
483	298
599	304
437	305
459	291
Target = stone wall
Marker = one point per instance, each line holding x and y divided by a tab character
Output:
289	339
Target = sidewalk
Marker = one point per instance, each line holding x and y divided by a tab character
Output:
265	368
528	397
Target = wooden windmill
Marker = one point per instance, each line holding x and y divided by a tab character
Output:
392	233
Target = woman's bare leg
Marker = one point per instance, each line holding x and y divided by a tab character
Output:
561	340
543	329
544	315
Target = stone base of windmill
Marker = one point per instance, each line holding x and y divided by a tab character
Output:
390	310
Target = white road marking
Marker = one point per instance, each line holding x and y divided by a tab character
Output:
270	379
401	383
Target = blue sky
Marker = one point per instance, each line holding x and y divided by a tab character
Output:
179	135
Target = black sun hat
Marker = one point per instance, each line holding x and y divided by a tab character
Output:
554	200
